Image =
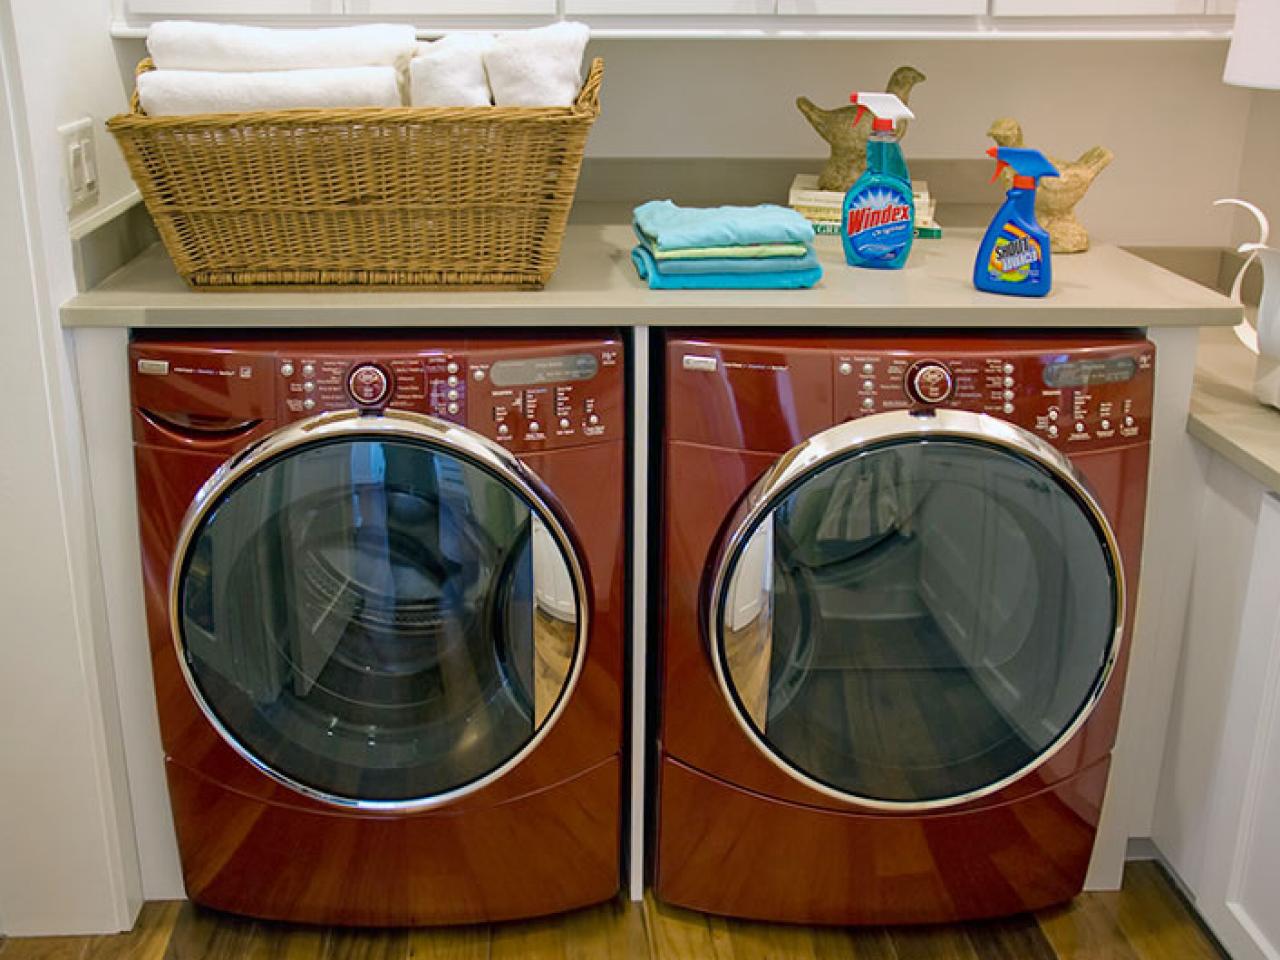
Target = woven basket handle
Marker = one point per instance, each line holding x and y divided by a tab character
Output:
145	65
589	96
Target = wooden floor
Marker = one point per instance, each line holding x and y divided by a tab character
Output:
1145	921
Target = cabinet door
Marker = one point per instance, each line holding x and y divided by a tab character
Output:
452	8
1095	8
237	8
669	7
879	8
1242	843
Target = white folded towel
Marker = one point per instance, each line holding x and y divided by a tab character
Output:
183	92
537	68
188	45
450	72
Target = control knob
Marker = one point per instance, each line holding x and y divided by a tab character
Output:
929	381
369	385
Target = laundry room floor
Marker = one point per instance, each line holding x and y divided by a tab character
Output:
1146	920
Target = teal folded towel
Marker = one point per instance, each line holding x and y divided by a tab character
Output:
648	270
807	261
670	227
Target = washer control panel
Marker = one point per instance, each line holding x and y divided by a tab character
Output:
1067	392
528	398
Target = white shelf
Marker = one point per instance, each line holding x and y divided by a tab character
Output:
804	28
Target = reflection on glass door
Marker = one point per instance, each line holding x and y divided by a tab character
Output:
364	618
919	621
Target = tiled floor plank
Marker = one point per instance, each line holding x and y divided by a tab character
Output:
148	940
676	934
1154	920
449	943
932	943
200	934
1086	929
366	944
611	931
1014	938
46	948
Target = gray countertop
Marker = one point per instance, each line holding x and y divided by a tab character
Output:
596	285
1224	414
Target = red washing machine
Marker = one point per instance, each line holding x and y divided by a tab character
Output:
384	583
898	576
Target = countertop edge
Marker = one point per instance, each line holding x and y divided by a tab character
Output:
1226	417
1107	288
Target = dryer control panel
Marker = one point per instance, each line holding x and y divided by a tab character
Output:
530	395
1070	393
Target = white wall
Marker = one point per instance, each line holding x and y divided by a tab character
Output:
70	862
1176	129
1260	167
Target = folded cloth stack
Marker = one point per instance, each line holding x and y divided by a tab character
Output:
217	68
717	248
518	68
221	68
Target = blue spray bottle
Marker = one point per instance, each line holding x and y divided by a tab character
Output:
1014	255
878	221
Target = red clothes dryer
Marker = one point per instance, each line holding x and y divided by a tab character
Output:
897	585
383	582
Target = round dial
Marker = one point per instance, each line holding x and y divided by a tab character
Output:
929	381
369	385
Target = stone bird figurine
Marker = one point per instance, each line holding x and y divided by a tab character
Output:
1057	197
848	139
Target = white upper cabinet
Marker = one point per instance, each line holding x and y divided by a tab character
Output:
883	8
157	9
451	8
669	8
1096	8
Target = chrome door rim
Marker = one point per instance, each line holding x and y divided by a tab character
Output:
432	432
868	433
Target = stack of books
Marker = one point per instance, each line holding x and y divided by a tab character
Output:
822	208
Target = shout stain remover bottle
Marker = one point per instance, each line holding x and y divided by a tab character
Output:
1014	255
879	213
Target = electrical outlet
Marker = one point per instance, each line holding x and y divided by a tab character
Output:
80	163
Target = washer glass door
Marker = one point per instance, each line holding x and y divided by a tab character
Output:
378	617
912	612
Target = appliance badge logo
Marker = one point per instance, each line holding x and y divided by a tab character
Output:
877	210
246	373
692	361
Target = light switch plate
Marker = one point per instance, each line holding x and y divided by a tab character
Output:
79	163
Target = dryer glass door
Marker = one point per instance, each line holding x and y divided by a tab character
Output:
913	613
378	617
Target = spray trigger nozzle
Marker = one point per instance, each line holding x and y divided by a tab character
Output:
1028	165
885	108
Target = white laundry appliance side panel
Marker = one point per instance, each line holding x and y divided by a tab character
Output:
103	372
1174	495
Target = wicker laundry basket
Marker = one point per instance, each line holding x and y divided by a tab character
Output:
417	196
